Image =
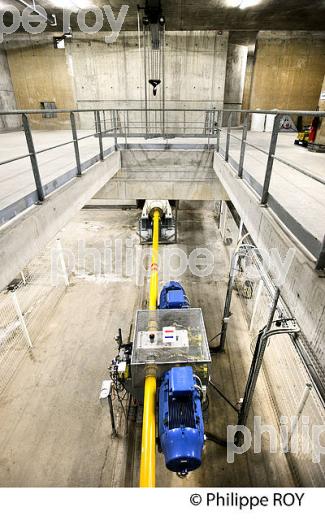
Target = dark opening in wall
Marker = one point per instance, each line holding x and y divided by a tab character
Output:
48	105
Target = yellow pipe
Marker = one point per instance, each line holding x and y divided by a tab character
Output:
153	292
148	446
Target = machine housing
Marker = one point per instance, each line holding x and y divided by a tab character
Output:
173	296
167	227
169	338
181	427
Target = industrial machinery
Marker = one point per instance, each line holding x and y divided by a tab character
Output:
173	296
152	51
153	36
181	430
166	370
302	138
167	223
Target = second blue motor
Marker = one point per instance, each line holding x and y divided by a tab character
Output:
173	296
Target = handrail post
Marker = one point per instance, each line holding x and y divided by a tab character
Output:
33	157
75	142
269	166
104	121
127	127
212	122
115	128
228	137
219	116
99	133
243	146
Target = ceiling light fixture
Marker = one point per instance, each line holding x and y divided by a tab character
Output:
233	3
73	5
244	4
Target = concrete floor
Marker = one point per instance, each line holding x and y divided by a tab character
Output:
54	432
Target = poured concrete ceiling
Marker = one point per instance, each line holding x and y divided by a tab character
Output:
285	15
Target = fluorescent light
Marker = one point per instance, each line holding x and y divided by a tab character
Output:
244	4
73	5
233	3
83	4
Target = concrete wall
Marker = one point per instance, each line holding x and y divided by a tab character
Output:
90	73
41	73
289	70
112	75
195	67
164	174
235	79
7	96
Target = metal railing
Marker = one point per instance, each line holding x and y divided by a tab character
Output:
307	238
44	189
124	126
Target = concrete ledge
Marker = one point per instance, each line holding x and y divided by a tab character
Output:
165	174
24	237
303	289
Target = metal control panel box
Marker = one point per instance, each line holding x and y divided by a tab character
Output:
167	338
157	339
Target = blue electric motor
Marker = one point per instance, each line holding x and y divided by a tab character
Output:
181	429
173	296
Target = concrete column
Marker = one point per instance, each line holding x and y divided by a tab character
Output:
7	96
320	136
248	82
235	79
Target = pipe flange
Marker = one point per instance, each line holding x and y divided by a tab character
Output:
150	369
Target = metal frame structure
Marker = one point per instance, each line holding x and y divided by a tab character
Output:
297	338
202	124
241	250
281	327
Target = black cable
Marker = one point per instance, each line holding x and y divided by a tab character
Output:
222	395
124	412
205	404
214	350
214	337
214	438
120	400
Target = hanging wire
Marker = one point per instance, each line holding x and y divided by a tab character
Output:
153	56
